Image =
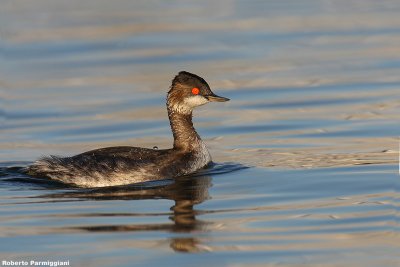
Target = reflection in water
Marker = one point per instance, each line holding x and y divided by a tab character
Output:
186	192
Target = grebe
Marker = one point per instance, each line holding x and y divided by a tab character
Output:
123	165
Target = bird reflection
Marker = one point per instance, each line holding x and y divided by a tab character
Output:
186	192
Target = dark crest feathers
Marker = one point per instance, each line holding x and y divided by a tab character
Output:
185	77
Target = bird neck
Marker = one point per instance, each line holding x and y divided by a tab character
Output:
185	136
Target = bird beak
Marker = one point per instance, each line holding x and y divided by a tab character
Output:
215	98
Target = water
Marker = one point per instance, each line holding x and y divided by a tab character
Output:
306	150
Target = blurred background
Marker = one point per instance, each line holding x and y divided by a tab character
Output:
77	75
314	111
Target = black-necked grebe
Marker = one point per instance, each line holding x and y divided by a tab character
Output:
126	165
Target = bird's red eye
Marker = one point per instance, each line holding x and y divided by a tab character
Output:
195	91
